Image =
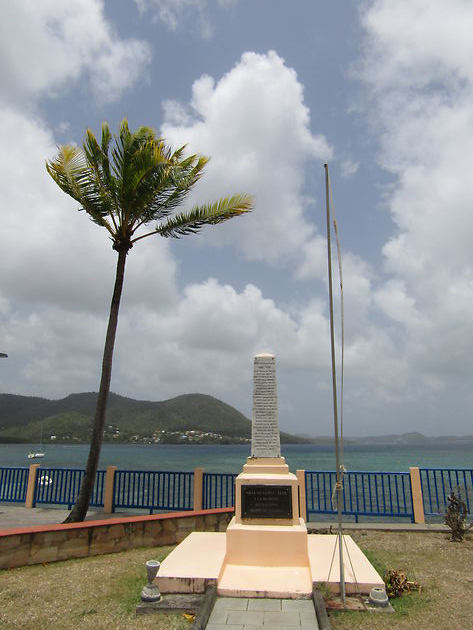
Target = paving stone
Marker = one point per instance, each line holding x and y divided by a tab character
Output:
308	617
251	627
219	626
264	604
231	603
246	617
282	618
298	604
218	616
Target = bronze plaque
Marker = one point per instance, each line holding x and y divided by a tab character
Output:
266	501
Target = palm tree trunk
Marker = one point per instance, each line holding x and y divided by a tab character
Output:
79	511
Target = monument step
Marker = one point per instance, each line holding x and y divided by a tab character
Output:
194	564
250	581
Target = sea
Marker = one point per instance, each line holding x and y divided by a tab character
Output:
230	458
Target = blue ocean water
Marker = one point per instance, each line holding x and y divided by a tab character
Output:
215	458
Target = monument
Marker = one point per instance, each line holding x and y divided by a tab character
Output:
265	551
266	546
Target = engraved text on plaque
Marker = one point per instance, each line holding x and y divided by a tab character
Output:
266	501
265	429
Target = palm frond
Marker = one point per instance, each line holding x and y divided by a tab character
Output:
129	180
209	214
164	189
70	170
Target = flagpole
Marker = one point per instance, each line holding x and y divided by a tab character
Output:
339	485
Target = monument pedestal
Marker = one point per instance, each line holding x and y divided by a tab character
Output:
266	541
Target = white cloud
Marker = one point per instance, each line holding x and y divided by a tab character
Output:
418	68
349	167
63	127
254	124
418	43
175	13
46	44
206	343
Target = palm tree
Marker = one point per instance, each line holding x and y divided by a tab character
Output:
123	184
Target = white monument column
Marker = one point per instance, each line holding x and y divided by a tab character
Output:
265	440
266	541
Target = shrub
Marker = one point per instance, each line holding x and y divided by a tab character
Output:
455	516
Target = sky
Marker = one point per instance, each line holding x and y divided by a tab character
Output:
381	90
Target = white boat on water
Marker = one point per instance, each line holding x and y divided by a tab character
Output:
35	455
39	453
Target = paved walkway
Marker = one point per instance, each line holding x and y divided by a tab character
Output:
19	516
262	614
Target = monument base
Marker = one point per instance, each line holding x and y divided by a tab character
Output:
198	562
267	545
266	561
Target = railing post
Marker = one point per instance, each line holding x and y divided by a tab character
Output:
300	474
109	489
31	487
416	493
198	487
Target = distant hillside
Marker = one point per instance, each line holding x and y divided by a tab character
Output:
408	439
403	439
187	418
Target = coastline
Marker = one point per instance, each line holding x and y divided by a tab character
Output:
230	458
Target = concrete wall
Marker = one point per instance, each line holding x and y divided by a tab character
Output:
50	543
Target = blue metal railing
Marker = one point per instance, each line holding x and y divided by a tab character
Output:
154	490
365	493
218	490
437	483
61	486
13	484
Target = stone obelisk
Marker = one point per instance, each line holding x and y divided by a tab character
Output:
266	490
265	441
266	541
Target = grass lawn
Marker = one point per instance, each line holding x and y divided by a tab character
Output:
99	593
444	570
102	592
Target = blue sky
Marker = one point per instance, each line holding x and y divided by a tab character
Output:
380	89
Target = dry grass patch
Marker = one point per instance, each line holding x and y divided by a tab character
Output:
102	592
444	570
99	593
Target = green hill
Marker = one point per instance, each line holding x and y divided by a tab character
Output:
187	418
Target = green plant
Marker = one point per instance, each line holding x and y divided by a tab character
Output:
324	590
455	516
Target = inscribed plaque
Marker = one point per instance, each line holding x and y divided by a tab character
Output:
266	501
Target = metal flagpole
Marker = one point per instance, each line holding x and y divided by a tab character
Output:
339	484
